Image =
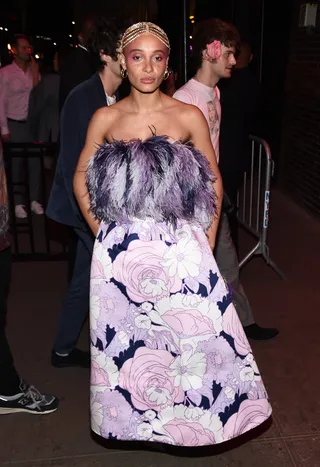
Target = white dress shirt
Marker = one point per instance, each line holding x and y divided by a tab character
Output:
111	99
15	88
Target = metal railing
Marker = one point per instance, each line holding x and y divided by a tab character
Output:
35	237
38	238
254	201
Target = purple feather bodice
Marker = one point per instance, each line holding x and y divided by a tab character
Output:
150	179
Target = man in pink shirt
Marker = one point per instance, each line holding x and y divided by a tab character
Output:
207	98
214	49
16	82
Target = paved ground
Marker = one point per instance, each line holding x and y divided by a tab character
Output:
289	364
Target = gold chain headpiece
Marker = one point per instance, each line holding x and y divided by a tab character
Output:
136	30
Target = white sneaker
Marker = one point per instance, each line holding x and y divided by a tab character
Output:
37	208
20	212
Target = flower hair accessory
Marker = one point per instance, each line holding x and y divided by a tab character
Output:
136	30
214	50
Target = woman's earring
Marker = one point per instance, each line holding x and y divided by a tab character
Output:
166	74
123	72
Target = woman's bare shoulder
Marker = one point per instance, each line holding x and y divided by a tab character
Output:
106	112
105	117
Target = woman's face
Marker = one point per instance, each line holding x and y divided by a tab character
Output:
146	61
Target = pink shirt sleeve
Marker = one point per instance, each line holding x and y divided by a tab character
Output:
183	96
3	104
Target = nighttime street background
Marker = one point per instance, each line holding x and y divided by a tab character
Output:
54	21
287	60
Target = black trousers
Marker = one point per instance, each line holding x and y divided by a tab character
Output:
9	378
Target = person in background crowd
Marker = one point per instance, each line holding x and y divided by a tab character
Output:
79	67
16	83
43	111
239	96
81	104
214	49
15	394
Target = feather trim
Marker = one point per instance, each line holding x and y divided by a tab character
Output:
151	179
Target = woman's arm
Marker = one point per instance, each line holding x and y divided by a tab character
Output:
95	137
200	135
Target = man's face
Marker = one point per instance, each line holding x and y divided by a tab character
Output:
84	34
22	50
224	64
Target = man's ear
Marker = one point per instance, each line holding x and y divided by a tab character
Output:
105	58
205	55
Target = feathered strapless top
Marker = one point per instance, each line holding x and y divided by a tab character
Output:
150	179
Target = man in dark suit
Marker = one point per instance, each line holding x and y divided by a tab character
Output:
81	104
78	67
75	70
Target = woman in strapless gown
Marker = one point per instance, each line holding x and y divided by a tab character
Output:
170	360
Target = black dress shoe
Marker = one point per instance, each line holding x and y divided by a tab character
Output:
75	358
255	332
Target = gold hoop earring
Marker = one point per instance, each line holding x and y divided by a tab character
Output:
123	72
166	74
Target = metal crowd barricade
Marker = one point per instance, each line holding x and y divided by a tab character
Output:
33	238
254	200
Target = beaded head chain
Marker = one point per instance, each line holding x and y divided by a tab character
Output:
136	30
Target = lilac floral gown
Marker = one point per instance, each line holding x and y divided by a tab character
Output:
170	360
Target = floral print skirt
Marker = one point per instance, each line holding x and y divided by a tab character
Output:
170	361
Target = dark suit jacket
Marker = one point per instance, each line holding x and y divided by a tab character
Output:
77	112
76	69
